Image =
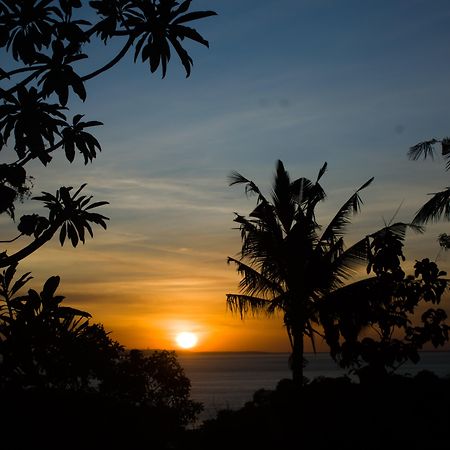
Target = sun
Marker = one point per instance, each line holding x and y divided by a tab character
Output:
186	339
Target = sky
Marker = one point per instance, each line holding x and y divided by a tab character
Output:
307	81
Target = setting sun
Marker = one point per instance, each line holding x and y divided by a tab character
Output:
186	339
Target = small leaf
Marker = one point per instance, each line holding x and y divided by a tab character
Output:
193	16
50	287
21	282
69	149
62	234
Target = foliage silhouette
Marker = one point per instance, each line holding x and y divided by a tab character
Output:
439	205
288	263
52	351
45	41
334	413
371	325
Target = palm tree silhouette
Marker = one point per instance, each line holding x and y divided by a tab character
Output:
288	262
439	205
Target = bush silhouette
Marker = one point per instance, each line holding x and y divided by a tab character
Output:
58	373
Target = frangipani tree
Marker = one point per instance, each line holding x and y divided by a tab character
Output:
47	61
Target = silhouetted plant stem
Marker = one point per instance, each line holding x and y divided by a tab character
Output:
113	62
32	247
24	82
21	70
30	156
297	357
12	240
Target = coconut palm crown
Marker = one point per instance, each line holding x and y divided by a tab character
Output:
438	207
288	262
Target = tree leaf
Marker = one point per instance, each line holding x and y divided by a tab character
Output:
193	16
50	287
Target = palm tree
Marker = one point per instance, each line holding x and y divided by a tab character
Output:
288	262
439	205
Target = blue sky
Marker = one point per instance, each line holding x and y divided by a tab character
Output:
353	83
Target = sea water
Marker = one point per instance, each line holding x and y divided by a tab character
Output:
228	380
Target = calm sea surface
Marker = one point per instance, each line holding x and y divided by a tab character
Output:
228	380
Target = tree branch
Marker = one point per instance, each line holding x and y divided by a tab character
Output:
113	62
24	82
29	157
21	70
11	240
32	247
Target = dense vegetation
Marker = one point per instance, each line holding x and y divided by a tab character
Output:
63	378
334	413
289	263
63	370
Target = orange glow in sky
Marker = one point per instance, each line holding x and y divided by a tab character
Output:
186	339
160	268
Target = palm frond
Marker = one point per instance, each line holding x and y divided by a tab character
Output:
236	178
266	216
346	264
317	195
350	299
301	190
253	282
336	227
246	226
263	247
283	201
445	143
277	303
322	171
422	149
398	229
250	188
261	242
434	209
247	304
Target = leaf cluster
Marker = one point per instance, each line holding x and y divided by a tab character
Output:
154	381
46	41
70	213
34	328
427	149
439	204
153	27
373	326
73	213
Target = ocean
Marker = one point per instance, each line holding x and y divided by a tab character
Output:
228	380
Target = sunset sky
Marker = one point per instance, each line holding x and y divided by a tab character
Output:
354	83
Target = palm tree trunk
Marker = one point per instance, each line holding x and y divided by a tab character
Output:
297	357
